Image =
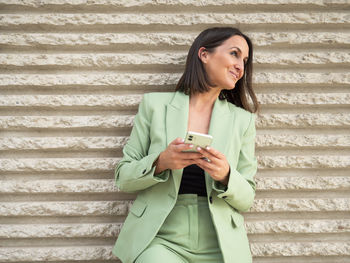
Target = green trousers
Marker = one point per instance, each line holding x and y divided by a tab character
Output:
187	235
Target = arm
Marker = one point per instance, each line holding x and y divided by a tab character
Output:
240	190
136	170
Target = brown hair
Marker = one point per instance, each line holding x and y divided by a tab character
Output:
195	78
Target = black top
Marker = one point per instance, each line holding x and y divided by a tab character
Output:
193	181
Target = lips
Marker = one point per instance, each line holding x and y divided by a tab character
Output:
234	74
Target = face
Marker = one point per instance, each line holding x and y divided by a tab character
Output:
225	65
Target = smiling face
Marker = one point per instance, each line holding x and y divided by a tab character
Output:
225	65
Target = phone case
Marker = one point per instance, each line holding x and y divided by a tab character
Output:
197	139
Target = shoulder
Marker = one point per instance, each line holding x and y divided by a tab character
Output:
240	112
242	116
156	100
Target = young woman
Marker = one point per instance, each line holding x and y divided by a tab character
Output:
188	207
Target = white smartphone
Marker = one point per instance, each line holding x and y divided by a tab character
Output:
197	139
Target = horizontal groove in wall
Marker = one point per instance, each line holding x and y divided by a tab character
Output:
154	28
81	111
190	6
104	164
330	136
159	68
11	220
70	152
74	197
86	175
173	21
300	151
303	237
317	215
100	241
326	70
35	243
341	192
162	39
293	172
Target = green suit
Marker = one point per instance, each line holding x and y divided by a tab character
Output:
161	118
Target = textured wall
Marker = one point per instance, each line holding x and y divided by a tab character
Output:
73	73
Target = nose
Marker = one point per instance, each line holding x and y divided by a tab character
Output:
239	66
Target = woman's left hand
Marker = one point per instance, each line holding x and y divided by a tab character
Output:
217	166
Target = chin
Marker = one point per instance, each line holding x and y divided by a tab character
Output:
230	87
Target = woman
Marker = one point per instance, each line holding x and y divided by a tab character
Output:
188	204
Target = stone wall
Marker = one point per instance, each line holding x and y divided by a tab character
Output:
73	73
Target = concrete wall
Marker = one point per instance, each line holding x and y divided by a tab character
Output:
73	73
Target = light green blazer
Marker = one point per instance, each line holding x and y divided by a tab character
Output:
161	118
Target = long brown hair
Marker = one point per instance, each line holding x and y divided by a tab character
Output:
195	78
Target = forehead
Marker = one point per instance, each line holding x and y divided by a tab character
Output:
237	41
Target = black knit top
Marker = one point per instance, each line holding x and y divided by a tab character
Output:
193	181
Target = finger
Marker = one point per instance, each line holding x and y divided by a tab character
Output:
208	166
207	154
177	141
213	152
184	147
190	155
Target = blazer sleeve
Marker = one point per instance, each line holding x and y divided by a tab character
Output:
240	191
135	171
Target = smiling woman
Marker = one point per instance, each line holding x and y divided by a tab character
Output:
225	65
232	51
188	203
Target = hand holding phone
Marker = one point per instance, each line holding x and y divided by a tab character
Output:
197	140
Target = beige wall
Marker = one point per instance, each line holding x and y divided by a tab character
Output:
73	73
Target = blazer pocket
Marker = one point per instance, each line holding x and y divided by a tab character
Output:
138	208
237	220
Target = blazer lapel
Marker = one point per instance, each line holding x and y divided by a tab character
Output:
221	123
177	122
176	125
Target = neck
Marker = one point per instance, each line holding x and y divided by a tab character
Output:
204	101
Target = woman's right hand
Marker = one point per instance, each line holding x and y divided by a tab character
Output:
173	157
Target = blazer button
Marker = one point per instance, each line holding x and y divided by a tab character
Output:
211	199
144	171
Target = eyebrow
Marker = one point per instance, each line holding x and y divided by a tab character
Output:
239	51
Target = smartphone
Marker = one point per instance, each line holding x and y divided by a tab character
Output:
197	139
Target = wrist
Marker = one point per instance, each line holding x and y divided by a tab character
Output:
158	163
225	180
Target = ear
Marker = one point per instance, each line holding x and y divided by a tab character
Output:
203	54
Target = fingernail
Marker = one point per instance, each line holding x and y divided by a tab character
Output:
191	145
198	148
182	140
208	148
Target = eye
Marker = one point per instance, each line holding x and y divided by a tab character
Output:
234	53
